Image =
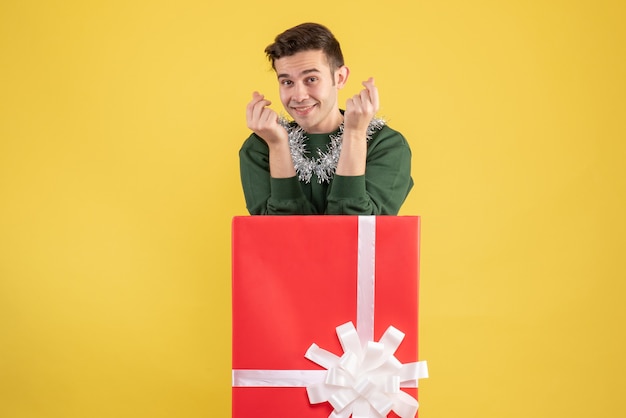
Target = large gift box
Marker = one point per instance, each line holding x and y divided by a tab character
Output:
325	316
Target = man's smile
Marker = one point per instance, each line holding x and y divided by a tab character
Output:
303	110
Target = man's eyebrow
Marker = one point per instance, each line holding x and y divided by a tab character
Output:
304	72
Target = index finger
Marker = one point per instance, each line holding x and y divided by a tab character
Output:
373	91
256	99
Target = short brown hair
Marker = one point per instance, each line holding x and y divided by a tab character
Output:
305	37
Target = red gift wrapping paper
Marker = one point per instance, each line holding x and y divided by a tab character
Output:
294	280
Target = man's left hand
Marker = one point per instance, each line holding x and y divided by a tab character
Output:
361	108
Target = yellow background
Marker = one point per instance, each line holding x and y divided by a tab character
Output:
120	123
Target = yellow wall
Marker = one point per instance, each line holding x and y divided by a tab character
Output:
120	123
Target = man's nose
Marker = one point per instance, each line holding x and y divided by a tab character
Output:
301	93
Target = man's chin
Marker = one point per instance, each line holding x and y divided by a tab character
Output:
302	122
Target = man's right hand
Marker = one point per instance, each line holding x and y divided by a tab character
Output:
263	121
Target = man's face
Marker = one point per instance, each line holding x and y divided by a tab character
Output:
308	90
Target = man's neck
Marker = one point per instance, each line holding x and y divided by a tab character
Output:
329	126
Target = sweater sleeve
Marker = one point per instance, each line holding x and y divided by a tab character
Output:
266	195
385	185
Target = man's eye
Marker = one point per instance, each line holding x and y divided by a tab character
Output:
311	79
286	83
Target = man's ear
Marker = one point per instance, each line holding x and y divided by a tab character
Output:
341	76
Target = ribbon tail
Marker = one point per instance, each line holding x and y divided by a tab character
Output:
411	372
404	405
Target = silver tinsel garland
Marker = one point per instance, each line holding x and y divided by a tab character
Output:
325	164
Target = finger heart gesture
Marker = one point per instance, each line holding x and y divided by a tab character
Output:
263	120
361	108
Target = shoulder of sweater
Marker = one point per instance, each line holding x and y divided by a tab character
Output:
254	142
388	136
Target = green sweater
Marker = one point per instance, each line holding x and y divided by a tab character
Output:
381	191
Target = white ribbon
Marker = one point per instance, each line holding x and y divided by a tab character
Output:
365	381
366	273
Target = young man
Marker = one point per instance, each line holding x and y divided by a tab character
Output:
327	160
